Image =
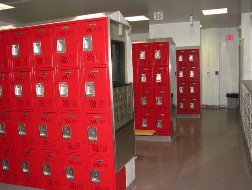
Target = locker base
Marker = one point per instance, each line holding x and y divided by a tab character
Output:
156	138
188	115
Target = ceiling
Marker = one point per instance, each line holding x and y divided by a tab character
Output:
29	11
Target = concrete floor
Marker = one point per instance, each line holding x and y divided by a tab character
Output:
208	154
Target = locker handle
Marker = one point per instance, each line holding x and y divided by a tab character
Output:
40	91
1	90
25	167
5	165
87	43
95	176
15	50
2	128
37	48
69	173
92	134
90	89
66	132
18	90
63	89
46	170
61	45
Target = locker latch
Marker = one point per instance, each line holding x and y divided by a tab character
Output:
87	43
90	89
46	170
15	50
143	101
66	132
191	105
18	90
1	90
190	57
5	165
143	77
158	100
69	173
95	176
159	123
25	167
40	90
142	54
157	54
21	129
144	123
181	105
180	58
191	89
92	134
61	45
181	90
158	77
63	89
181	74
37	49
191	73
42	131
2	128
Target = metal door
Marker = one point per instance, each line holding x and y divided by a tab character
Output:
96	90
182	58
145	55
48	131
66	46
8	132
22	88
94	48
147	103
42	46
194	90
194	74
148	121
161	54
44	85
135	55
146	78
4	52
182	89
69	90
193	58
19	49
182	106
163	103
162	78
99	134
182	74
194	106
136	80
72	134
163	124
5	91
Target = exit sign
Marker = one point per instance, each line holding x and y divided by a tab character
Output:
229	37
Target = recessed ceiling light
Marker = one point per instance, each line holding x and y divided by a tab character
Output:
3	7
136	18
200	26
214	11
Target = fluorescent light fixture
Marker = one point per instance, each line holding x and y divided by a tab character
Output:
136	18
200	26
214	11
3	7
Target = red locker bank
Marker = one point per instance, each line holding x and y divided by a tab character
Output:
66	104
152	64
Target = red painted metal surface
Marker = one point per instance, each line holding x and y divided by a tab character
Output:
4	52
147	101
162	78
135	55
145	55
6	91
162	100
161	54
8	131
146	78
163	124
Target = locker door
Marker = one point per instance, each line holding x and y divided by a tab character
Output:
69	90
135	55
28	168
163	104
94	49
194	90
5	91
193	58
137	103
22	88
162	78
147	99
163	124
27	132
66	46
8	132
75	174
161	54
96	90
182	74
182	89
145	55
194	106
44	85
4	52
136	80
182	58
182	106
47	131
41	41
194	74
148	121
99	134
72	134
9	166
146	78
19	49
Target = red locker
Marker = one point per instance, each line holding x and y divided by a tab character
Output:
72	134
69	90
163	104
51	171
22	88
146	78
97	90
120	177
194	106
147	101
28	168
9	166
145	55
135	55
75	174
162	78
27	131
182	74
66	46
136	80
182	58
147	121
101	173
182	90
48	131
137	103
42	46
163	124
194	74
99	134
94	48
4	62
44	83
182	106
8	132
19	49
193	58
5	91
161	54
194	90
138	120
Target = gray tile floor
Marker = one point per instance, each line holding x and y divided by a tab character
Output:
208	154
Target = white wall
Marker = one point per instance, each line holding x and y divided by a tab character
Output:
182	33
140	37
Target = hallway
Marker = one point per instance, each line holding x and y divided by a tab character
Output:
207	154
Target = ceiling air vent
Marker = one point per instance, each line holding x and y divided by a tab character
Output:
158	15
